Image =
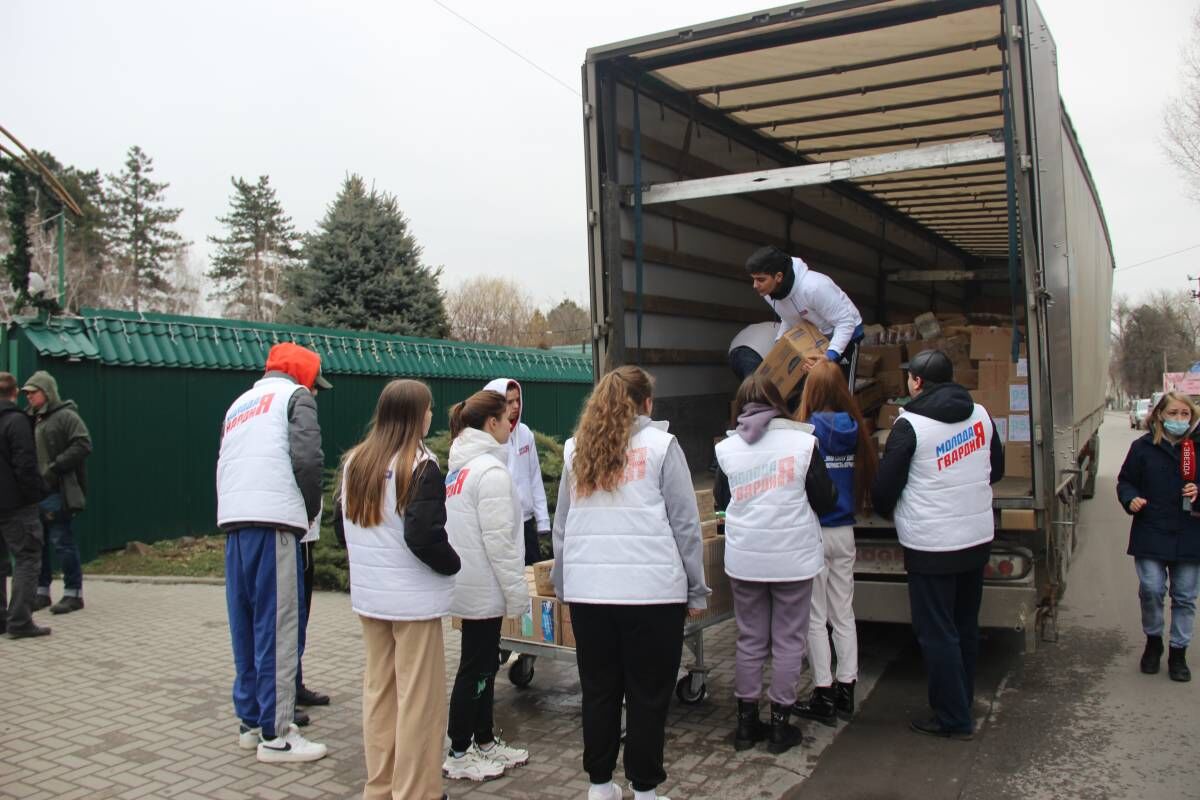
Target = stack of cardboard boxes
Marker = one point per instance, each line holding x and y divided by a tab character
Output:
982	358
545	620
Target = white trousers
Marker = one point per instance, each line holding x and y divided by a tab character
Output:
833	602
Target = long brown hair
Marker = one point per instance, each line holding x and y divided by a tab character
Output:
826	389
758	388
602	438
476	410
395	433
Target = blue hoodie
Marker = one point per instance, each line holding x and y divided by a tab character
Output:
837	433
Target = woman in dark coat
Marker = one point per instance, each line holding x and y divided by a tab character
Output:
1164	538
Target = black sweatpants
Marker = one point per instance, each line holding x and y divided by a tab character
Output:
306	551
630	653
533	552
945	616
474	690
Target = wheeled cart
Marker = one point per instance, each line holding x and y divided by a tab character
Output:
691	688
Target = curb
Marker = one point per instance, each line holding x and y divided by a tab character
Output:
165	580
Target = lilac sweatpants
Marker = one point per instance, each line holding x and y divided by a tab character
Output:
772	620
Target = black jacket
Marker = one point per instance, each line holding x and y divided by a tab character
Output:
424	521
20	480
1162	530
822	494
945	402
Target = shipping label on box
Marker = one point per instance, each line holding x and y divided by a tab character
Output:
1002	428
785	364
1018	397
1018	372
1018	428
990	343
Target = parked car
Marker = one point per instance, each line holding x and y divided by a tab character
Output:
1138	412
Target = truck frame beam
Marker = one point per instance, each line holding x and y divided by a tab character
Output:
824	173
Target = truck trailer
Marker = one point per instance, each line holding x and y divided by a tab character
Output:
917	152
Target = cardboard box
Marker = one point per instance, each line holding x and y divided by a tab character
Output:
540	622
1018	460
990	343
710	528
1018	519
456	623
523	627
890	356
510	627
567	636
784	365
541	578
887	415
867	365
704	501
996	402
993	376
870	396
928	326
714	553
967	378
894	383
956	348
721	599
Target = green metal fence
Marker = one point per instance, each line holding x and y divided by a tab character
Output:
153	389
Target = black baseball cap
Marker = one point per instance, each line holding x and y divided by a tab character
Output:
931	366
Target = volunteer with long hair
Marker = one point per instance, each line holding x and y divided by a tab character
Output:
629	562
485	526
852	461
772	484
1157	485
401	585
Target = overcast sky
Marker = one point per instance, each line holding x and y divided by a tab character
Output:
484	153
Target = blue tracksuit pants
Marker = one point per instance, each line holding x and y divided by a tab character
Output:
264	585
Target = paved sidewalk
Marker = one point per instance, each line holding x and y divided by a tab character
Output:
130	699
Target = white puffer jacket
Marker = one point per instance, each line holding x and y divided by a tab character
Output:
484	522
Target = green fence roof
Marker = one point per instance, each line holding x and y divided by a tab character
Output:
164	340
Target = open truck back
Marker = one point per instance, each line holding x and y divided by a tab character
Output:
915	151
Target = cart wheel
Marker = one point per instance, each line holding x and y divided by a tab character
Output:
504	654
521	672
691	689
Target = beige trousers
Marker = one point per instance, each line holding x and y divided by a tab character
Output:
404	709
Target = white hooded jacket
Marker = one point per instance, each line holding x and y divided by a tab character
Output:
817	299
485	529
522	461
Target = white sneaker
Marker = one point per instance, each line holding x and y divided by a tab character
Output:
501	753
290	748
606	791
656	797
471	766
248	738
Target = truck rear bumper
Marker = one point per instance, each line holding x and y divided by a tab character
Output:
1009	606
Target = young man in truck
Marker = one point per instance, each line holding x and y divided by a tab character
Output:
796	294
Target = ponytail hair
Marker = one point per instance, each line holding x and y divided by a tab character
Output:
605	426
475	411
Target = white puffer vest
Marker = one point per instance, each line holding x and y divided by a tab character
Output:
618	547
947	502
386	580
771	532
254	470
492	578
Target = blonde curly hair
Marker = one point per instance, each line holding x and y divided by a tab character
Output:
605	426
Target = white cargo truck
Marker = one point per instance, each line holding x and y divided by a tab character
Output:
917	152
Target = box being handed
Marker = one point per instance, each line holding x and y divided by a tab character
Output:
784	365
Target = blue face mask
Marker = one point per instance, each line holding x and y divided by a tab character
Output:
1176	427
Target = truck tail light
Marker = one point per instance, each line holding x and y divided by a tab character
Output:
1008	564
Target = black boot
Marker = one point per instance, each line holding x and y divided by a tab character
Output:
819	706
1177	667
1152	655
750	729
784	735
844	699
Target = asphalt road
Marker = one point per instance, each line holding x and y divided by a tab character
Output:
1075	719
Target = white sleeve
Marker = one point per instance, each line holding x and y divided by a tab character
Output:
537	488
828	300
497	522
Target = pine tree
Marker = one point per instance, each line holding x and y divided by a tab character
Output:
142	239
261	246
364	271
